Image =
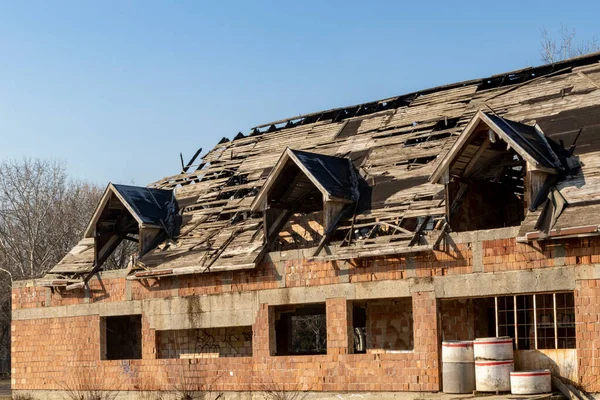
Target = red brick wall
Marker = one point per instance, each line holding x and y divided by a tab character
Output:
45	350
389	325
498	255
465	319
42	349
587	323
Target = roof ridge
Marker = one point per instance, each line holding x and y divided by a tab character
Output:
392	102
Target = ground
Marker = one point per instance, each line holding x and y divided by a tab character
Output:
4	389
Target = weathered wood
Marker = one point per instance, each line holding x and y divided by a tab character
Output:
398	148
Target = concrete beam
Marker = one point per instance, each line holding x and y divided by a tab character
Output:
239	308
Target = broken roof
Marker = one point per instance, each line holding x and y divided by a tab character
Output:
395	144
528	141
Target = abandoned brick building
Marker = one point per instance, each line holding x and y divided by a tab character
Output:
334	251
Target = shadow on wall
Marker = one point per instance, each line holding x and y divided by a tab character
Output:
562	362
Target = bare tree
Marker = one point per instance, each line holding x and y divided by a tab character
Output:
555	49
42	216
309	333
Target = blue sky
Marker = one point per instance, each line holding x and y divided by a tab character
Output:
117	89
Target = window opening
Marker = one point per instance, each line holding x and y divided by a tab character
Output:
542	321
383	324
301	330
233	341
121	337
359	327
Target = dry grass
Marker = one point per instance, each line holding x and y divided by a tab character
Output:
275	391
19	396
84	383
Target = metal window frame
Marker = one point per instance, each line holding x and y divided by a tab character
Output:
535	328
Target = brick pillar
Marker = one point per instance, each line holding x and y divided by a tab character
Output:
263	332
149	345
425	317
587	333
337	326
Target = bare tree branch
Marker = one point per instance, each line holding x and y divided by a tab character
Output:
553	50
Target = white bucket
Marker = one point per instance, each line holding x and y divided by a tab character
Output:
531	382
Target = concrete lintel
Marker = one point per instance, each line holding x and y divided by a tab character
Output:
502	283
486	234
584	272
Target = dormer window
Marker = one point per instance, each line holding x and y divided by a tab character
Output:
306	193
138	214
494	172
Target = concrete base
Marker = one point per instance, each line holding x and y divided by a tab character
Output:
61	395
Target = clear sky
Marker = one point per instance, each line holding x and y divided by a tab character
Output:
117	89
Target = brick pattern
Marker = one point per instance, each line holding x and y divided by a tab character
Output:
337	328
587	331
498	255
205	343
457	319
389	325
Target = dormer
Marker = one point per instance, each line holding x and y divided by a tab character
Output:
303	183
139	214
494	172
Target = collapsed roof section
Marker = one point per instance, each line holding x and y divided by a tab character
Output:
395	145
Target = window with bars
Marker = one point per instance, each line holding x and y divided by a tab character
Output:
540	321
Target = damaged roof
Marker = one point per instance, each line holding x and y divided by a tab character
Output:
395	145
529	139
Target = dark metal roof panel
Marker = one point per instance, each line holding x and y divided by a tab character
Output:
150	205
528	139
333	173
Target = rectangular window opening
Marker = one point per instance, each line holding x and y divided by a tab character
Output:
543	321
300	329
205	343
467	319
382	324
534	321
121	337
359	327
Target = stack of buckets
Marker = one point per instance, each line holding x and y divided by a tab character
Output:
487	365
